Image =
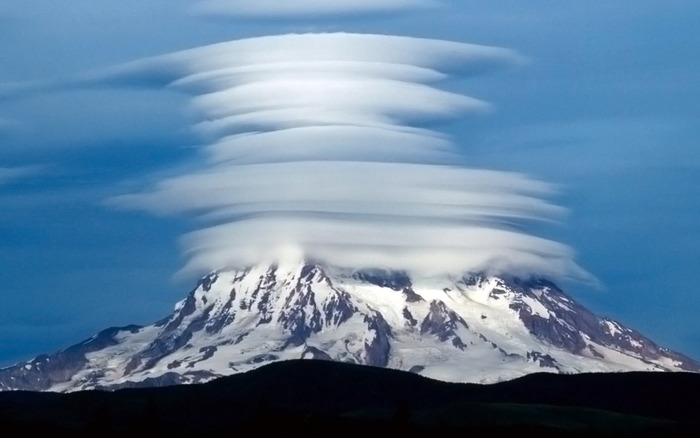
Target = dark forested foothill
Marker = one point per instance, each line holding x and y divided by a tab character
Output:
322	397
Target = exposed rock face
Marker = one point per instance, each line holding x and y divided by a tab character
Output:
474	329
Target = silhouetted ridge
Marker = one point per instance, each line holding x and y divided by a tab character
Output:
310	395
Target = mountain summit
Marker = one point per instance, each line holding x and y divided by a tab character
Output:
475	328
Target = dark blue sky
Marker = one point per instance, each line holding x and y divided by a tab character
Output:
607	109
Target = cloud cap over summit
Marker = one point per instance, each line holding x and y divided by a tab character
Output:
326	143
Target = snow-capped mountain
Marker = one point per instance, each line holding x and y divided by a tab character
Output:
471	329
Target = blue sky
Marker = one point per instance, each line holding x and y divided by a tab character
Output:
606	108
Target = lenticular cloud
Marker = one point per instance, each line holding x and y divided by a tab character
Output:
287	8
319	145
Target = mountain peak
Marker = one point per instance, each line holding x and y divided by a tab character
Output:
476	328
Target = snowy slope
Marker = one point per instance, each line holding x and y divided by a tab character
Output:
470	329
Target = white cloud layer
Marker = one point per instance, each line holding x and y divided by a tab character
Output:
317	145
301	8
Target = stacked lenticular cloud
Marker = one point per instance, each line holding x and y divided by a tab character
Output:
318	146
306	8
